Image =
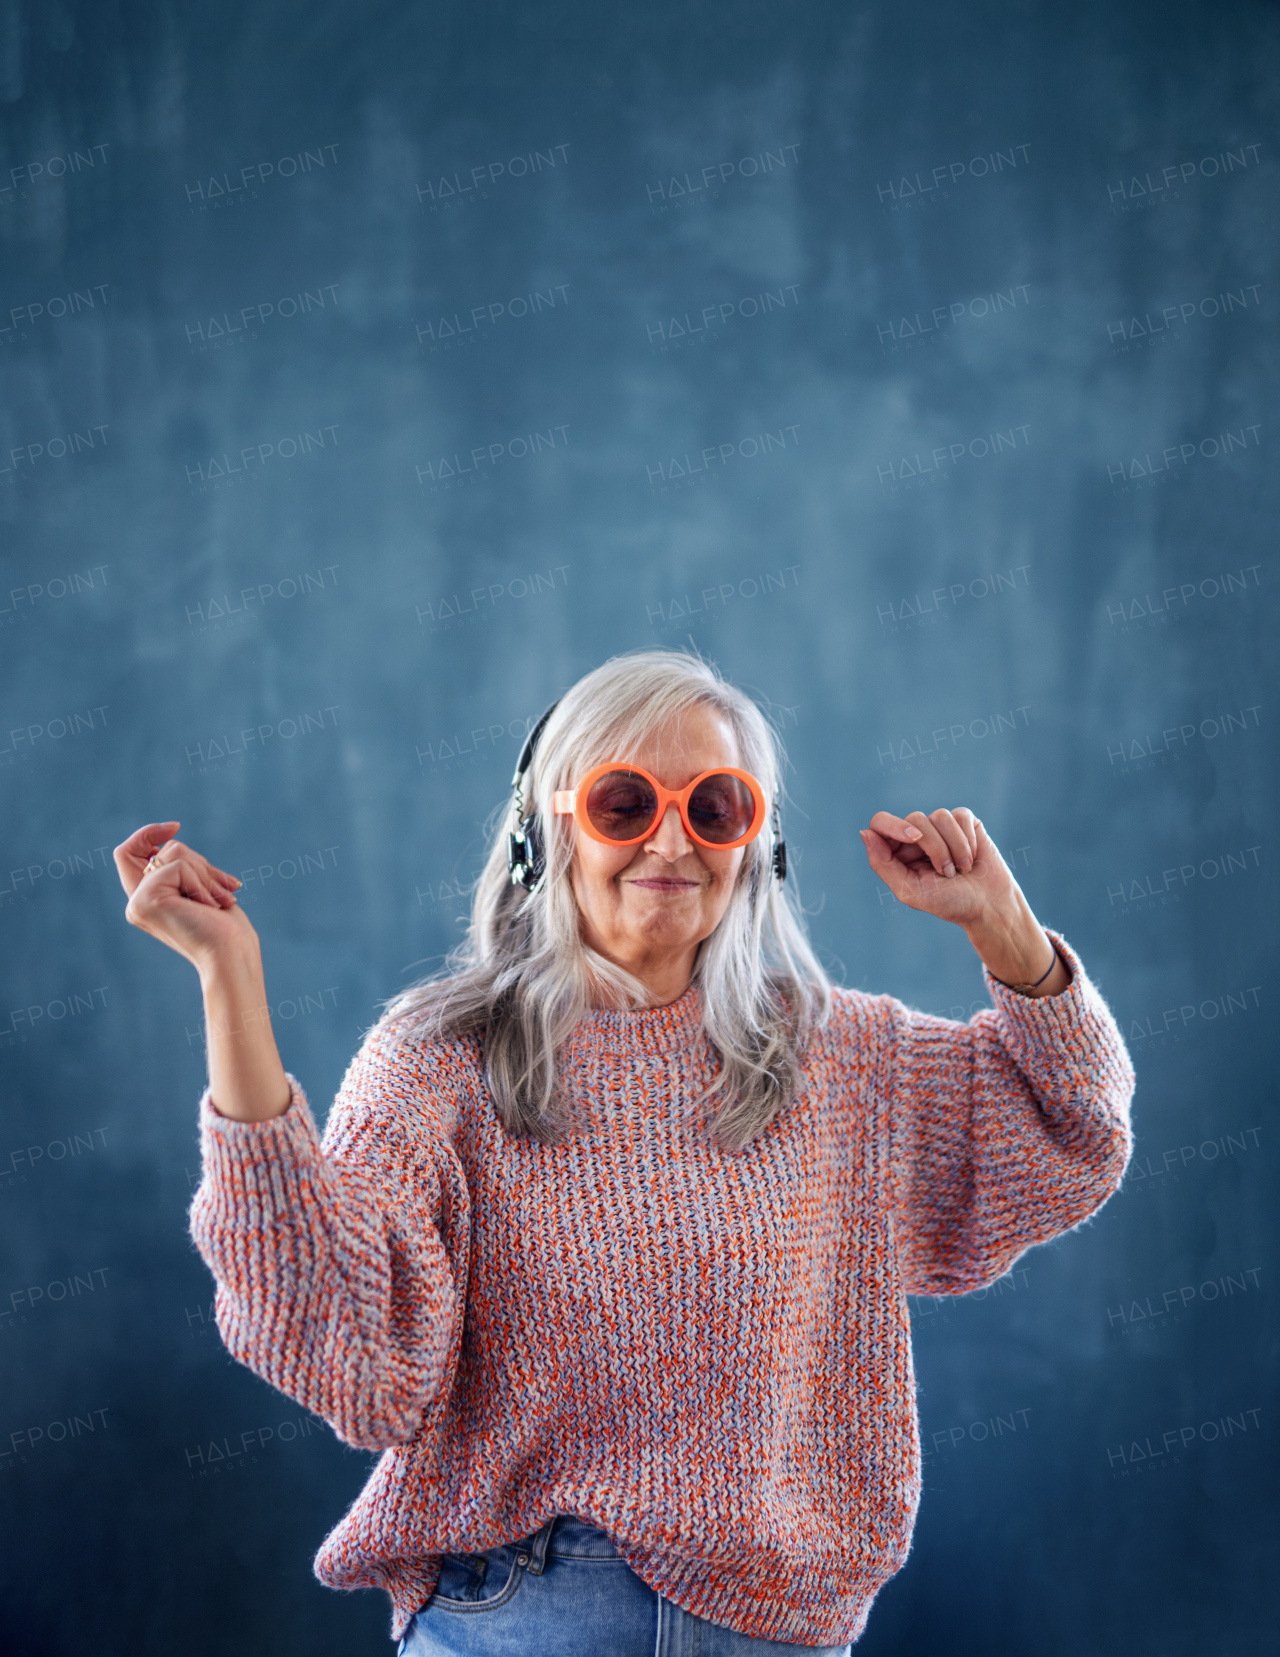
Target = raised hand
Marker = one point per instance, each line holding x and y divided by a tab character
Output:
946	864
177	895
187	902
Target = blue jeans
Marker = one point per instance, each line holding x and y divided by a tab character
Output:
566	1592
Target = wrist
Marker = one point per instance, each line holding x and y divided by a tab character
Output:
232	958
233	968
1013	945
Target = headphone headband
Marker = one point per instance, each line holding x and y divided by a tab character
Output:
531	742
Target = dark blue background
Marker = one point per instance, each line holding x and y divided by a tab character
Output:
1017	556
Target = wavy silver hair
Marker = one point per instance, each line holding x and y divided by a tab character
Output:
523	976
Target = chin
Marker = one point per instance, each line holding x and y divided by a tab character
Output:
666	918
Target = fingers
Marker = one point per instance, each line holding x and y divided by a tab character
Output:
199	881
933	843
175	875
132	855
947	839
878	852
218	878
144	842
210	879
969	823
180	869
189	879
891	869
956	834
889	827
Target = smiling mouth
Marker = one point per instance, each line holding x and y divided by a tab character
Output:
659	884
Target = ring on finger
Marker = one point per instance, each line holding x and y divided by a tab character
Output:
154	862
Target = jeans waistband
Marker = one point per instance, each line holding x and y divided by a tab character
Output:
564	1536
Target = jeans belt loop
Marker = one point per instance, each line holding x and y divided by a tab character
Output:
541	1542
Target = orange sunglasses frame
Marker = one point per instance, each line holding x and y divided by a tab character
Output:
572	802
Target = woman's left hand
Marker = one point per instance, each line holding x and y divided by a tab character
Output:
947	864
944	863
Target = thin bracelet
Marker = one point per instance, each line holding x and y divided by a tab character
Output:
1023	988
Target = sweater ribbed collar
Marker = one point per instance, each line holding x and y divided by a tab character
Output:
649	1030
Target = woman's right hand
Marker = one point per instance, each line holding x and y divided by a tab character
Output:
190	904
185	901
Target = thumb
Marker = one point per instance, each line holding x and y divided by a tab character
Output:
878	853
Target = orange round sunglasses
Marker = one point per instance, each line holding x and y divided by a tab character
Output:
621	805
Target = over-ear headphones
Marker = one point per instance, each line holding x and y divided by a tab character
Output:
526	852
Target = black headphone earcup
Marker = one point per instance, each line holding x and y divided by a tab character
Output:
525	856
537	858
780	859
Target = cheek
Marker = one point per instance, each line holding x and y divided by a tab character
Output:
593	870
724	868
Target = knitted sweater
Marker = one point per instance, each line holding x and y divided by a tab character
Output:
707	1354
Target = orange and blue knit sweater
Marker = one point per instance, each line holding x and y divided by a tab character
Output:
705	1353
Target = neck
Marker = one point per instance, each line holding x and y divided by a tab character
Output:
664	980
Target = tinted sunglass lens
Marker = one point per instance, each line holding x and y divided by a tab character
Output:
621	805
721	809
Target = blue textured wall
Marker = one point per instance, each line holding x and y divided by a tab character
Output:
369	372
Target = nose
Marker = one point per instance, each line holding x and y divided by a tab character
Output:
669	840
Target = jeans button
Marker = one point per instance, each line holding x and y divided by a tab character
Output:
523	1559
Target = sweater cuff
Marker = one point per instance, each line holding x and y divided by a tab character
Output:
1065	1022
246	1151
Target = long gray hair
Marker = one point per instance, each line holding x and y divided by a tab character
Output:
522	976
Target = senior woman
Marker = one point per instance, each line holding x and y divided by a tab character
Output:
607	1241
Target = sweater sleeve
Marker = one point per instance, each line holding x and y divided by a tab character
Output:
1005	1131
333	1281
